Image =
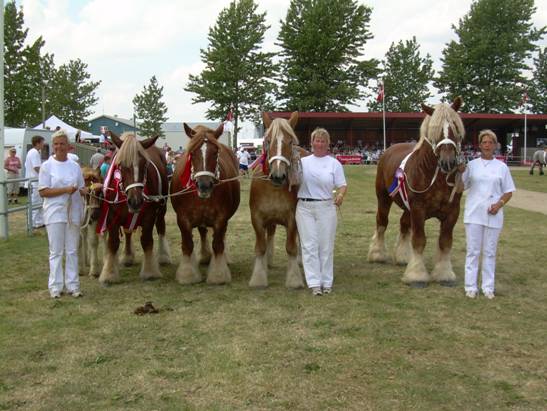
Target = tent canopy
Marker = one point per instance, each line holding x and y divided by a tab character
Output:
53	122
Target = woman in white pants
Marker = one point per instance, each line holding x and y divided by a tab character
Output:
60	183
489	187
316	212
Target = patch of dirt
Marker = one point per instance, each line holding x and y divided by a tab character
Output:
529	200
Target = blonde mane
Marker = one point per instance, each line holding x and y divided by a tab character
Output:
281	125
432	126
128	153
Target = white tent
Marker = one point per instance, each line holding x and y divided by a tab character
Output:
53	122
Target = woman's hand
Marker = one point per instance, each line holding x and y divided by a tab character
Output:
339	199
494	208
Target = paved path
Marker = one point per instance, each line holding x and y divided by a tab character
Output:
529	200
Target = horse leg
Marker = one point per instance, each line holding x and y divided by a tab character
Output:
416	274
110	272
442	271
164	254
218	271
92	249
128	258
294	275
270	244
205	249
541	169
188	269
150	267
259	278
377	250
403	249
83	257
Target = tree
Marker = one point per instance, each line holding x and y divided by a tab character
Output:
237	76
485	65
150	109
406	77
537	90
71	93
322	43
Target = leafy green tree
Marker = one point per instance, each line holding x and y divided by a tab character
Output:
537	90
237	76
150	109
71	93
485	65
406	76
322	47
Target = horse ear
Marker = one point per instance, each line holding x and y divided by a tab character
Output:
427	109
189	131
149	142
457	103
219	130
115	139
266	119
294	119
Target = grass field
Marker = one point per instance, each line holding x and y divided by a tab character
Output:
373	344
523	180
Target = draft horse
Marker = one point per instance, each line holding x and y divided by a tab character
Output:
421	180
204	193
273	199
540	159
135	192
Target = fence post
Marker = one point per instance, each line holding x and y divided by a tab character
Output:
29	209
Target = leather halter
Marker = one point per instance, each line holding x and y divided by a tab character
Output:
215	175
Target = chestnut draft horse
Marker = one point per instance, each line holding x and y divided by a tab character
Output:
273	199
418	179
135	192
204	193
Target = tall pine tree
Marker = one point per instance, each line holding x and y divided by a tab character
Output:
485	65
406	76
150	110
237	76
537	90
322	44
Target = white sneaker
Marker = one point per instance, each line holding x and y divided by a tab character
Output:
489	294
327	290
316	291
471	294
55	294
76	293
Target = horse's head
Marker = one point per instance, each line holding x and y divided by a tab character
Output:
279	140
131	160
93	181
204	153
444	130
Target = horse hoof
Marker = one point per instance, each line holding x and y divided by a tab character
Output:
418	284
447	283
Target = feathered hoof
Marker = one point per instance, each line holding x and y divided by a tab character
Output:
447	283
418	284
377	256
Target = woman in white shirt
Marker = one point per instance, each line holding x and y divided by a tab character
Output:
316	212
489	187
60	183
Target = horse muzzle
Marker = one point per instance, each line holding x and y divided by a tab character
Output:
204	187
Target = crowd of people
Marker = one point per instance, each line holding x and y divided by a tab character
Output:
60	185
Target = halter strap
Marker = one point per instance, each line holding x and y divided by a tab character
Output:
134	185
281	158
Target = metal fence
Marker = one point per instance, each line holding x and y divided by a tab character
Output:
28	208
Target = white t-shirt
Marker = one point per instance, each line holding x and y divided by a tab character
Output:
320	176
33	160
244	157
56	174
485	181
73	157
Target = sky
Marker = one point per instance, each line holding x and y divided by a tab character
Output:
126	42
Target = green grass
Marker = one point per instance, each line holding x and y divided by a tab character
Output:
524	181
372	344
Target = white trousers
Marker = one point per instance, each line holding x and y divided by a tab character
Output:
316	221
481	240
63	239
37	215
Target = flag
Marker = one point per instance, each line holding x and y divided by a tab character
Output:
524	98
230	116
380	96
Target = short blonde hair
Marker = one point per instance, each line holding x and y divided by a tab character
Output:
59	134
488	133
320	133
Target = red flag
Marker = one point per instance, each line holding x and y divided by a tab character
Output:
230	116
524	98
380	96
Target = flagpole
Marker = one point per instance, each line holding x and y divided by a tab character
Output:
525	132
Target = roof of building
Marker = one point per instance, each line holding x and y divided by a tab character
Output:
128	122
